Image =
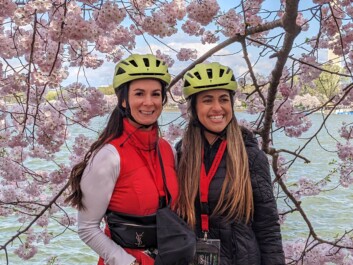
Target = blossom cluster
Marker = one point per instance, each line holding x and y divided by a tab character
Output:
288	90
177	88
345	166
80	147
173	132
346	131
202	12
252	9
42	41
7	8
294	123
308	187
109	15
192	28
321	254
231	23
255	105
155	25
307	72
209	37
165	57
186	54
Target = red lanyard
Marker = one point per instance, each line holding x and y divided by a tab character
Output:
205	181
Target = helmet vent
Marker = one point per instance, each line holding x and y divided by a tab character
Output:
158	62
197	74
146	74
221	72
133	63
209	73
120	71
210	86
146	61
228	70
186	83
232	79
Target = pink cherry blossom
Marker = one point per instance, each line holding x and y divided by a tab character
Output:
202	11
192	28
231	23
165	57
186	54
209	37
52	48
174	131
7	8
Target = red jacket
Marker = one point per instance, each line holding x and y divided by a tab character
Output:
140	182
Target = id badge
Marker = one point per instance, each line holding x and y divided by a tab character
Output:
208	252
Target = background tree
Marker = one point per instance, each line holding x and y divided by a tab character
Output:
65	46
328	84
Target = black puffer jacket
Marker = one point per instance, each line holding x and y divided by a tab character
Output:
258	243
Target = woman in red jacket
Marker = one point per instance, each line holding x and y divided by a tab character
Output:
121	171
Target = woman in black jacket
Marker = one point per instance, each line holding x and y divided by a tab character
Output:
224	178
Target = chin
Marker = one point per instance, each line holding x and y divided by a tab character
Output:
216	129
148	122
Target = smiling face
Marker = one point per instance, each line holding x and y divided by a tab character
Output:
214	110
145	101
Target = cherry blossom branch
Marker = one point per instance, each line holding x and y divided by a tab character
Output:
238	37
298	207
347	91
24	230
298	60
342	46
251	71
292	30
29	68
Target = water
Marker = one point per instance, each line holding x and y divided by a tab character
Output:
330	212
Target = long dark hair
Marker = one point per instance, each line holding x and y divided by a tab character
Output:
113	130
235	201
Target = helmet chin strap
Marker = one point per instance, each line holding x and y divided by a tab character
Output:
127	113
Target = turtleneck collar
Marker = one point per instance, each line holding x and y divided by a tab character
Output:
142	139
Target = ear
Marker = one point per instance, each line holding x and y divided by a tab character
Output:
123	103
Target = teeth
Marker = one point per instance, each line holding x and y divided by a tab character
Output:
147	112
216	117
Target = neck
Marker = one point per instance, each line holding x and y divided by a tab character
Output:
211	138
140	126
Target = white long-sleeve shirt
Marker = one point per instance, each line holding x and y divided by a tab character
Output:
97	185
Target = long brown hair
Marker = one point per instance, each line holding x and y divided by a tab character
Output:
113	130
236	198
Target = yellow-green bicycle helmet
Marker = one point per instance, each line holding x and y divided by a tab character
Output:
207	77
138	66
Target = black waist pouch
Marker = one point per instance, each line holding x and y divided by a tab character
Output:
132	231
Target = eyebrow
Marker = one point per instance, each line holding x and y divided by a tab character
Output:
211	96
143	90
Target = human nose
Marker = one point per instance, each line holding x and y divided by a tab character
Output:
148	100
217	106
